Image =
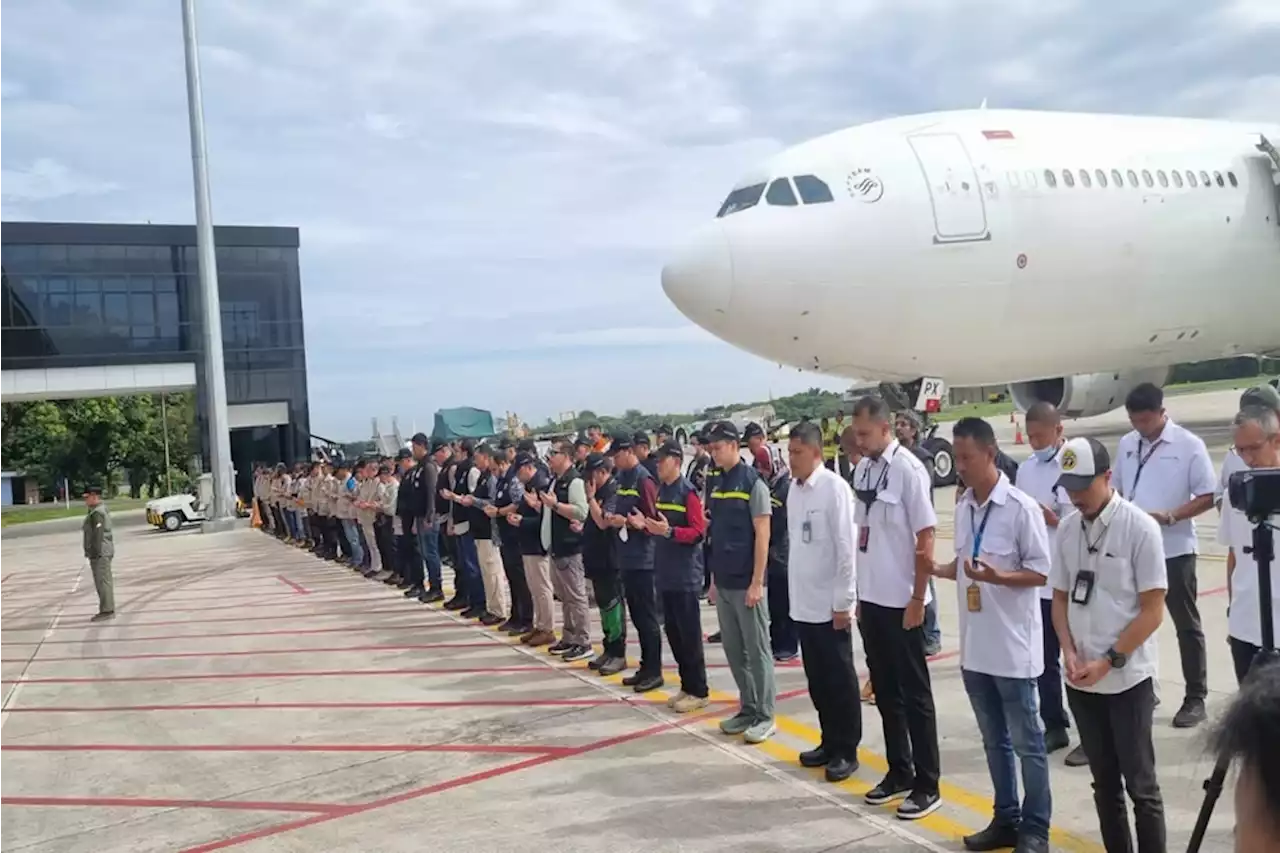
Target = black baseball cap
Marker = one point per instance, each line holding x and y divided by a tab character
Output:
722	431
420	438
523	459
93	490
640	438
405	453
621	441
439	444
1083	459
506	443
582	441
594	462
670	448
753	429
527	445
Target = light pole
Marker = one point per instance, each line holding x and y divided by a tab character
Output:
223	511
164	420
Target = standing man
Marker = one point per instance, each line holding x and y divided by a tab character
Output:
469	594
662	435
347	514
822	576
907	427
635	501
1109	579
99	549
842	460
527	521
896	525
1038	477
1001	561
640	445
740	522
581	447
677	533
1165	470
497	602
508	495
367	515
564	510
408	503
601	564
433	509
783	639
386	524
599	441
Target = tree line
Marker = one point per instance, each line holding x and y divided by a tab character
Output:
108	441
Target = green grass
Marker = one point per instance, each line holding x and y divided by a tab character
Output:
1216	385
25	514
976	410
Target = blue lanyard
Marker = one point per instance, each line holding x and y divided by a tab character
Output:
980	529
1142	463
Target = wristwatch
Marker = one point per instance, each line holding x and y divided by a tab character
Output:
1117	660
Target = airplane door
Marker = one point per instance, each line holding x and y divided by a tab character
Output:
959	212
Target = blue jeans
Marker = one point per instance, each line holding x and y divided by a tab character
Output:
932	633
467	579
429	548
1010	724
352	531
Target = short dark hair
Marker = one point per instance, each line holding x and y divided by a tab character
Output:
1146	397
976	429
1250	731
1044	412
484	449
872	406
807	433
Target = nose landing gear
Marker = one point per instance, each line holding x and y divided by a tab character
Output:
904	396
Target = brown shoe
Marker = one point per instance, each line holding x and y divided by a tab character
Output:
542	638
527	636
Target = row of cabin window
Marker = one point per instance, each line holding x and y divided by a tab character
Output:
1161	177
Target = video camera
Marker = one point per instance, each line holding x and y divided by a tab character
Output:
1255	492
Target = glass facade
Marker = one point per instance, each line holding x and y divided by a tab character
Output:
88	294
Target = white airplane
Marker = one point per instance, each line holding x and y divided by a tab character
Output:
1070	256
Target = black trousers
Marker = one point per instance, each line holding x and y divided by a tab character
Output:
281	529
408	559
783	638
1115	731
1185	612
1053	711
606	583
833	685
521	598
384	536
643	607
682	615
904	695
1242	655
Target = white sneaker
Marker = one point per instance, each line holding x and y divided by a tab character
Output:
671	703
760	732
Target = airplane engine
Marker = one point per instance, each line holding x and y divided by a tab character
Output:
1085	394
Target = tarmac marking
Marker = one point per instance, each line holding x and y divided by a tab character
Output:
255	652
495	749
12	696
275	632
316	673
338	705
130	803
218	619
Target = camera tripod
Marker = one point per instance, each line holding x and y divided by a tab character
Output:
1263	551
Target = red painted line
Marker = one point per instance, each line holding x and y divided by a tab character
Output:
447	785
312	706
495	749
483	644
274	618
316	673
275	632
6	578
296	588
125	802
1217	590
293	601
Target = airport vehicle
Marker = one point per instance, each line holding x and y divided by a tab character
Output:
171	512
1070	256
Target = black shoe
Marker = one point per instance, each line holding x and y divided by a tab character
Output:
577	653
840	768
1076	758
633	679
1056	739
918	804
518	628
401	583
594	663
1028	844
887	791
456	603
613	666
104	616
431	596
490	619
414	592
816	757
1190	715
647	683
996	836
506	627
560	647
785	657
714	638
473	613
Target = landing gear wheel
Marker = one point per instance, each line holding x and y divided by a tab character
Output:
944	461
171	521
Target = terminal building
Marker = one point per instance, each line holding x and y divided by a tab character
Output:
98	310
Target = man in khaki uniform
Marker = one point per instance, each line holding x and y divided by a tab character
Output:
367	513
99	548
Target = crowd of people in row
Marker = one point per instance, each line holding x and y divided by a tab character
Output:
1063	568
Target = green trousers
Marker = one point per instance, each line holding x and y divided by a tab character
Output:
101	567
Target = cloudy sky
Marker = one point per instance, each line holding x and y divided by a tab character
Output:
486	189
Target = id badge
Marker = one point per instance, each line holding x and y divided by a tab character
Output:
973	597
1082	589
806	533
864	538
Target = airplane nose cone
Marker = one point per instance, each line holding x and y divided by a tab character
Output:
699	279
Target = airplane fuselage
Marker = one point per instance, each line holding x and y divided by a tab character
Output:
992	246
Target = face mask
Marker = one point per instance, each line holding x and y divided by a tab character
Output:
1046	453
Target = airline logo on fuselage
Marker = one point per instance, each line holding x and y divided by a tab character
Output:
864	186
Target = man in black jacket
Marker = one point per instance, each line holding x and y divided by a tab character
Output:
408	559
426	506
602	564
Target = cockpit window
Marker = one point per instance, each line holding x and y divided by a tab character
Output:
812	189
780	193
741	199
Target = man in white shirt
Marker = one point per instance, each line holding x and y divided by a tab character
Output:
1109	582
822	583
1038	477
896	525
1259	395
1257	441
1001	562
1166	471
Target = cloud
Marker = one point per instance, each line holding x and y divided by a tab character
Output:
487	189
